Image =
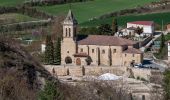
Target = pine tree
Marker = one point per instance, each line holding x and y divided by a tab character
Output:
50	92
49	51
114	26
57	52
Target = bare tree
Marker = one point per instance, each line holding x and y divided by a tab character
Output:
57	28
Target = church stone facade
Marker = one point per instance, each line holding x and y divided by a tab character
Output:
97	50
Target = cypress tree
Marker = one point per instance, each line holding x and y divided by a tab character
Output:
114	26
162	42
57	52
49	51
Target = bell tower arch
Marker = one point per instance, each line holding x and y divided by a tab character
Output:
68	44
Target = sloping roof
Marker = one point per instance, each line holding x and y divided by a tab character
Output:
70	18
142	22
80	55
131	28
132	50
105	41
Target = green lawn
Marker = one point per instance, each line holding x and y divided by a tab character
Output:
122	20
11	2
87	10
14	18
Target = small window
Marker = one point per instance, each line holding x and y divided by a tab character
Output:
103	51
69	30
81	50
66	32
125	55
143	97
67	51
125	63
92	50
133	55
114	50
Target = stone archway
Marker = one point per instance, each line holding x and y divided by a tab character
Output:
78	61
68	60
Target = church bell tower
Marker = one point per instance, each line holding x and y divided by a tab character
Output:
68	44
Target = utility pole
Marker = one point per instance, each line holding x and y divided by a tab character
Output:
162	26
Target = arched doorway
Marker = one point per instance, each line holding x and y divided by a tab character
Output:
78	61
68	60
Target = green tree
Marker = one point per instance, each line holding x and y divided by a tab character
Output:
57	52
49	50
166	84
162	42
114	26
50	92
89	30
139	30
105	29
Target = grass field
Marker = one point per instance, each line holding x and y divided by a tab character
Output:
11	2
14	18
87	10
122	20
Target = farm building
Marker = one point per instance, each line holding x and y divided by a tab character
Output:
148	26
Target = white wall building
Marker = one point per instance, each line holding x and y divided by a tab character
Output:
148	26
168	50
43	47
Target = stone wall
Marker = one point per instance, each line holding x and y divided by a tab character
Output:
141	73
79	71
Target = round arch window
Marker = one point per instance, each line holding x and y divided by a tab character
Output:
68	60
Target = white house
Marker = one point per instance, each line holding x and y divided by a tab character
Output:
148	26
168	50
43	47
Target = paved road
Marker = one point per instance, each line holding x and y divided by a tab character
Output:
149	63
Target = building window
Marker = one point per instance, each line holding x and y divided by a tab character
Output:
103	51
69	32
133	55
125	55
66	32
67	51
81	50
92	50
114	50
125	63
143	97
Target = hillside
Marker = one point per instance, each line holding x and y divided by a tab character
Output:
122	20
11	2
87	10
18	69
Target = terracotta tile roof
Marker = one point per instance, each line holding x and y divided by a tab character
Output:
105	41
132	50
80	55
142	22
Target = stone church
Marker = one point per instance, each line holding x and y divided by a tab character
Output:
97	50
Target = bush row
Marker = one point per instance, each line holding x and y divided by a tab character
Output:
50	2
23	26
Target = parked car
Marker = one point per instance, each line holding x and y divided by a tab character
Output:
138	66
